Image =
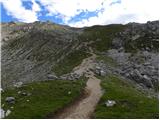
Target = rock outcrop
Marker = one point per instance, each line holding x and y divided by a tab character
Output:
135	50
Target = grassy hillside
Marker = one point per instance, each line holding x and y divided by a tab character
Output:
101	36
45	98
130	103
70	61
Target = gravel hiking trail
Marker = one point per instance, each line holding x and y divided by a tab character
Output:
85	106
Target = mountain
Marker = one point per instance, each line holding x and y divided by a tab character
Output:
56	71
43	50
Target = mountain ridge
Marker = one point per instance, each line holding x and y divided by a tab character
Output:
32	51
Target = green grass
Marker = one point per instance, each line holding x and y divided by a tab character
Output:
69	62
107	60
101	36
130	103
46	97
141	43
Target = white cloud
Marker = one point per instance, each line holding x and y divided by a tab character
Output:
67	9
128	11
124	12
35	6
17	10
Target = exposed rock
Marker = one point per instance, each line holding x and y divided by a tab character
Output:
147	81
19	92
100	70
69	92
18	84
102	73
10	100
70	76
117	43
110	103
29	94
119	57
2	113
140	66
1	90
52	77
135	37
24	93
8	112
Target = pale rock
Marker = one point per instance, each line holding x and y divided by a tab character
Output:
2	113
110	103
8	112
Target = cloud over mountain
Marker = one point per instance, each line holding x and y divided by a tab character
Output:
79	13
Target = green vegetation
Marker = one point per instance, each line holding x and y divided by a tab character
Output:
143	42
130	103
108	60
46	97
101	36
69	62
146	41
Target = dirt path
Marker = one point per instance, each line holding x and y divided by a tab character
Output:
83	108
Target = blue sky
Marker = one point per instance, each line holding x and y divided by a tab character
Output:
79	13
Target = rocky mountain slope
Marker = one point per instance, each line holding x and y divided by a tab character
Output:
42	50
29	51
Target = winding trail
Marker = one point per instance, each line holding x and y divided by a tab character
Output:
83	108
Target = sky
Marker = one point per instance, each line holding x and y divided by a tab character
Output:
80	13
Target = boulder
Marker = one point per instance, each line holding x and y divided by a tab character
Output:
98	68
8	112
70	76
75	76
147	81
19	92
69	92
1	90
96	72
52	77
110	103
18	84
102	73
63	77
10	100
24	93
2	113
